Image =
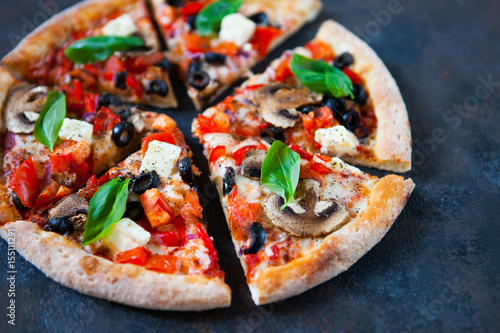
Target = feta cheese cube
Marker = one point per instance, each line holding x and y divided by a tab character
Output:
337	140
120	26
77	130
236	28
125	235
160	157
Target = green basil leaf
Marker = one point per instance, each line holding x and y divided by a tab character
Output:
209	18
321	77
280	171
106	207
99	48
50	120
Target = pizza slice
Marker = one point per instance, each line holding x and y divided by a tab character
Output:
107	45
133	235
334	96
216	42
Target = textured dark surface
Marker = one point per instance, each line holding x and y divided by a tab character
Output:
436	270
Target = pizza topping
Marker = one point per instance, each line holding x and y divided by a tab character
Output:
215	58
156	207
122	133
270	133
344	60
106	100
236	28
145	181
60	225
100	48
350	119
123	112
51	118
121	26
186	171
121	80
24	182
134	211
160	157
212	16
198	79
252	164
309	216
258	238
70	206
260	18
157	87
23	107
228	181
17	203
359	94
124	235
77	130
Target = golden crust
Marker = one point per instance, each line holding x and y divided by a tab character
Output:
6	82
339	250
58	30
393	137
68	264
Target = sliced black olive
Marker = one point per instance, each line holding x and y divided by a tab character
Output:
359	94
186	171
17	202
191	20
198	79
134	211
175	3
362	133
307	108
157	87
258	238
60	225
122	133
193	66
123	112
121	80
228	181
215	58
260	18
164	64
337	105
145	181
344	60
350	120
272	133
106	99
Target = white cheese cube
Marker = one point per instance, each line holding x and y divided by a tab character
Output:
337	140
77	130
236	28
120	26
125	235
160	157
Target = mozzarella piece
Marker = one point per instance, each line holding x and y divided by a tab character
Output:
125	235
160	157
337	140
77	130
236	28
120	26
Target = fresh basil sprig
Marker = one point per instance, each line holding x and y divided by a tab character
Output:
50	120
106	207
99	48
321	77
280	171
209	18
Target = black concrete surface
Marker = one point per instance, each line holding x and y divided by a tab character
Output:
435	271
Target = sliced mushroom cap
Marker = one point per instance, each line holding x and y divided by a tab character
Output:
24	103
252	164
70	206
310	216
278	103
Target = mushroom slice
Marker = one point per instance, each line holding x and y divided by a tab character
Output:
309	216
252	164
278	103
70	206
23	106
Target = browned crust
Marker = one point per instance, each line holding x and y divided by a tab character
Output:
58	30
6	82
393	136
68	264
339	250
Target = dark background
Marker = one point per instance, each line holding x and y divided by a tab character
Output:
436	270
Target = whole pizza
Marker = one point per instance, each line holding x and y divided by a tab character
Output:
101	192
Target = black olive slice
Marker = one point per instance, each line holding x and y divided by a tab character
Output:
260	18
198	79
164	64
106	99
186	171
157	87
359	94
134	211
350	120
228	181
337	105
175	3
17	202
122	134
258	238
344	60
123	112
215	58
194	65
191	20
362	133
121	80
60	225
145	181
272	133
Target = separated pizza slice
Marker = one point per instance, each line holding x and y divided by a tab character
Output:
333	96
298	219
107	45
134	235
216	42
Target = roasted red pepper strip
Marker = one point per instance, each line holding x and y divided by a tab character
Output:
263	38
137	256
217	153
161	263
167	137
24	182
105	120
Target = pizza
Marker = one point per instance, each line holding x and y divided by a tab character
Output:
100	191
298	213
216	42
106	45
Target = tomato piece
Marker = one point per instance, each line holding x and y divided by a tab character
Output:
51	194
105	120
353	76
168	238
240	154
320	50
90	188
191	210
166	136
114	65
161	263
68	155
321	118
91	102
324	158
263	38
320	168
212	253
218	123
217	153
306	172
248	88
303	154
252	260
241	214
192	8
137	256
135	85
180	227
156	207
25	183
74	96
195	43
283	71
247	131
227	48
